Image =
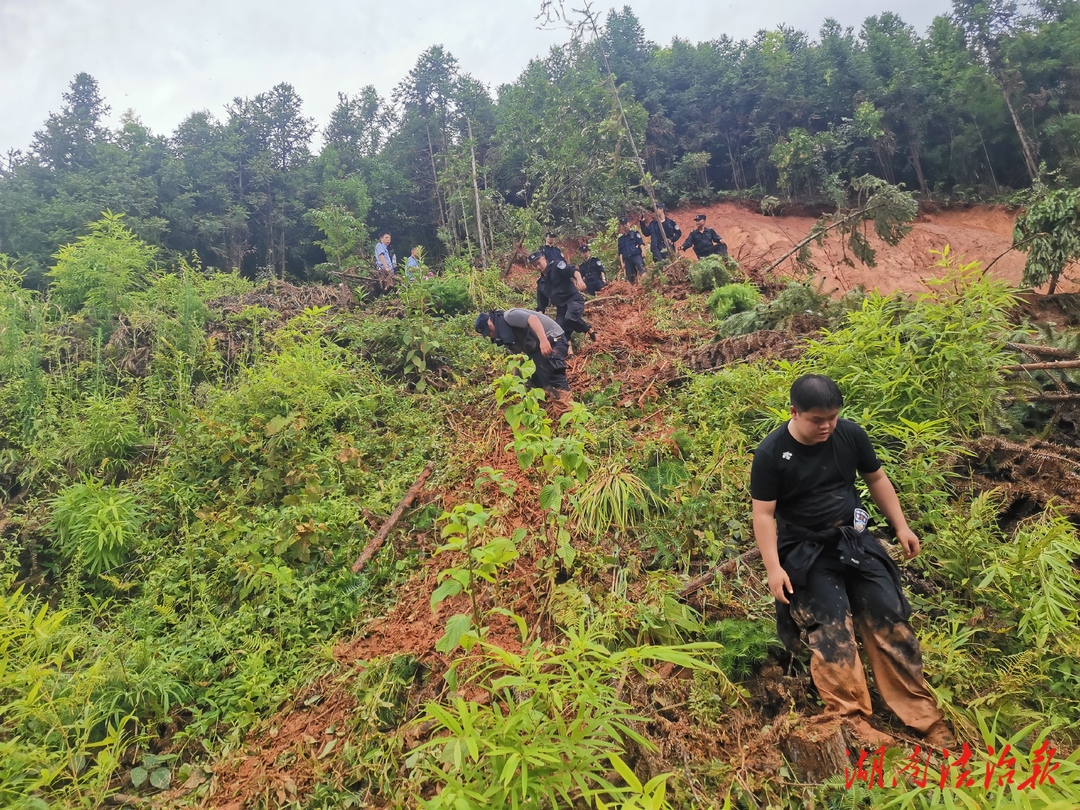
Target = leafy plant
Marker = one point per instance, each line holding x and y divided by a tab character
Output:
732	298
463	531
552	730
612	497
100	269
96	524
1048	230
711	272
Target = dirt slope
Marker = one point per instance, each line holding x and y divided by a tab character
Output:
983	233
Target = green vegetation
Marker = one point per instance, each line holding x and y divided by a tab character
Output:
191	460
980	105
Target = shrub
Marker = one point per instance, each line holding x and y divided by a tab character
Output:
712	272
96	524
732	298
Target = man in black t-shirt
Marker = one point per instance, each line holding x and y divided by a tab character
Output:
828	574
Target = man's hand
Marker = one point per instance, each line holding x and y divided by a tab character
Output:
545	349
910	541
780	585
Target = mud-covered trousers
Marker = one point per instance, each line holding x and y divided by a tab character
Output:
840	601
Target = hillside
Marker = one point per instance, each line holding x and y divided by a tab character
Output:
191	478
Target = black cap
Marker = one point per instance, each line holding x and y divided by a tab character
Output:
660	206
549	235
535	256
584	249
699	218
481	324
624	220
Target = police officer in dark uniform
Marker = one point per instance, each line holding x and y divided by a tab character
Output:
534	334
657	230
551	251
704	241
563	287
592	271
631	251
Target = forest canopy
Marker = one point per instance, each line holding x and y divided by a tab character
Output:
975	107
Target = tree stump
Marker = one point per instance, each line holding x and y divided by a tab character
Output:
816	748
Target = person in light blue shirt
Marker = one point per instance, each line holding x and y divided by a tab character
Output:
383	259
412	263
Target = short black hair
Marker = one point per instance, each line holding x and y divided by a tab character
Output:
812	391
384	233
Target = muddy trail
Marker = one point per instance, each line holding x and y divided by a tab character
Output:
638	361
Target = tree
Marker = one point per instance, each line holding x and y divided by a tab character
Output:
68	137
988	24
1049	232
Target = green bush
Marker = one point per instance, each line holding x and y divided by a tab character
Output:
96	524
712	272
732	298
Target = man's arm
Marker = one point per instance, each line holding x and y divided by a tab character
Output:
765	536
884	495
541	335
579	282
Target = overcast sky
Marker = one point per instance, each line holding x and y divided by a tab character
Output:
166	60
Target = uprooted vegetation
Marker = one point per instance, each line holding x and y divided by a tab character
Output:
189	478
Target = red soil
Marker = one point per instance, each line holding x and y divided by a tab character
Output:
982	233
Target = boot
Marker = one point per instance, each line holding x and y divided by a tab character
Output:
939	736
561	401
866	734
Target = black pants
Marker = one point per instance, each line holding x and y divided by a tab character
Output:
635	265
551	370
659	251
839	601
571	316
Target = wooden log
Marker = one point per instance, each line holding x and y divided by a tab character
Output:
377	541
726	568
1050	365
1045	351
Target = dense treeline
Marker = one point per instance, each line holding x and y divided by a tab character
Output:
972	108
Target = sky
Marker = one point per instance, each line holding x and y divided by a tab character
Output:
165	60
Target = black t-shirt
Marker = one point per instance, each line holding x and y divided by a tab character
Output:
813	485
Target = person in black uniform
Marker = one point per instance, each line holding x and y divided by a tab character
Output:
551	251
657	230
563	287
592	272
704	241
829	576
631	251
534	334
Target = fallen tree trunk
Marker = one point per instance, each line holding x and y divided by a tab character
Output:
1050	365
726	568
377	541
1046	351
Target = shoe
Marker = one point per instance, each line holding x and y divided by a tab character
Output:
866	734
940	736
